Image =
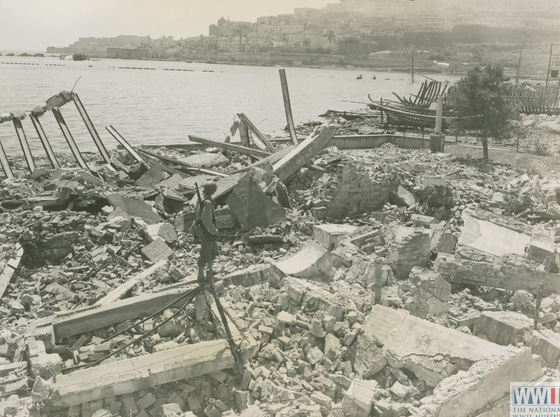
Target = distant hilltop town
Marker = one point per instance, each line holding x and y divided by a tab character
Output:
353	31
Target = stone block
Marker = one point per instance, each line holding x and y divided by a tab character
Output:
542	247
329	234
429	294
307	263
361	395
547	344
503	327
157	250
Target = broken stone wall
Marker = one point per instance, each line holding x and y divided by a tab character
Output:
354	192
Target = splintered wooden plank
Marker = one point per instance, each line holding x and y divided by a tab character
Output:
5	164
288	106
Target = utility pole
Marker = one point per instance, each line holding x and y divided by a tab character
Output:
548	70
518	69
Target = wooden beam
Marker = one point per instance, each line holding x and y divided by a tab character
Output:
257	132
230	146
288	106
122	289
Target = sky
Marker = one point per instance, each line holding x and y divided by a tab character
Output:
34	25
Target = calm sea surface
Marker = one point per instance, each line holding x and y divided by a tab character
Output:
169	100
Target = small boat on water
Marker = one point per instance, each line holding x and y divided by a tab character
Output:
359	77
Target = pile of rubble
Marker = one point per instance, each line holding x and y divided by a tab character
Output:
385	282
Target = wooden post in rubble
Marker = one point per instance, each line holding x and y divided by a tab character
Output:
288	106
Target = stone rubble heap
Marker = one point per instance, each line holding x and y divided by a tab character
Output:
395	283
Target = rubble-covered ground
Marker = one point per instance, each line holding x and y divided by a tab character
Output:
392	282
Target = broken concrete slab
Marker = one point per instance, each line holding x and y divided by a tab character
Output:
251	207
10	269
487	382
311	297
143	372
247	278
205	159
430	293
503	327
491	238
508	272
303	153
88	319
431	351
130	207
402	197
162	230
329	234
151	177
309	262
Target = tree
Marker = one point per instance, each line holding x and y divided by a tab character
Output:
481	98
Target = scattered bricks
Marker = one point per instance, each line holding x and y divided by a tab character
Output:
503	327
129	405
429	294
157	250
329	234
360	395
547	344
146	401
322	400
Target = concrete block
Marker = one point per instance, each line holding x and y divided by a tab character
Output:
307	263
429	294
329	234
488	237
164	231
251	207
503	327
431	351
361	395
157	250
541	248
547	344
143	372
